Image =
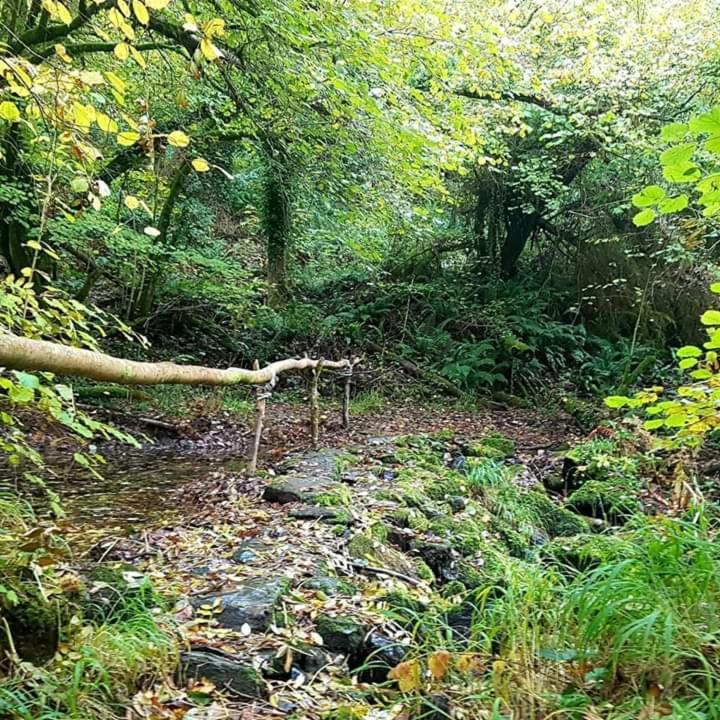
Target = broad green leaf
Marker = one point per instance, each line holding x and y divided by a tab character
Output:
616	401
673	204
678	155
653	424
687	363
9	111
689	351
707	123
682	172
650	195
710	317
674	132
644	217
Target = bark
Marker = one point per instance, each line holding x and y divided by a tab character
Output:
21	353
277	230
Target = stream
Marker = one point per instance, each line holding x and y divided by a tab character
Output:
138	487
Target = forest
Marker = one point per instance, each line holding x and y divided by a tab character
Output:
359	359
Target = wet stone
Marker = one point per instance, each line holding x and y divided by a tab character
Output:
298	488
224	672
252	603
328	515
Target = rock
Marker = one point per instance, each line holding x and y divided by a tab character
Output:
311	659
298	488
252	603
380	654
331	586
362	547
248	552
439	557
341	634
457	503
440	708
223	671
329	515
34	627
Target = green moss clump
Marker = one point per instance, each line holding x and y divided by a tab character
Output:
464	534
34	624
555	520
611	500
340	634
411	518
495	445
365	547
337	497
116	596
583	552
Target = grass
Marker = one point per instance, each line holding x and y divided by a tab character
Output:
368	402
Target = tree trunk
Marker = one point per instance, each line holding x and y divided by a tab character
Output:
276	218
22	353
519	227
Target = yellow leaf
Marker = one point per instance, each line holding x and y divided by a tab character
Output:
157	4
117	83
131	202
216	26
106	123
92	77
124	8
141	12
83	115
127	30
152	231
438	663
137	57
178	139
122	51
200	165
127	138
9	111
61	52
209	51
407	674
63	14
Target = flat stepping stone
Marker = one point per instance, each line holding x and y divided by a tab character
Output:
252	603
329	515
223	671
298	488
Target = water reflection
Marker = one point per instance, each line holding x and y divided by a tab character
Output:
139	486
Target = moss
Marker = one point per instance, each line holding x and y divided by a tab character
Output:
411	518
120	591
555	520
340	634
34	624
583	552
366	548
453	589
347	712
495	445
611	500
463	533
423	571
436	484
337	497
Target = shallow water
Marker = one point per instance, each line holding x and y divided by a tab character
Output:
138	487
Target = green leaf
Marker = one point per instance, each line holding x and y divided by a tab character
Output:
650	195
22	395
27	379
715	287
683	172
712	145
644	217
653	424
710	317
79	185
673	204
616	401
689	351
678	155
701	374
707	123
674	132
687	363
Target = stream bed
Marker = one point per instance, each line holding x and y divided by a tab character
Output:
138	486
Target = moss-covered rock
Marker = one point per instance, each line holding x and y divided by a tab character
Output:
367	549
341	634
494	445
554	519
117	590
35	624
583	552
612	500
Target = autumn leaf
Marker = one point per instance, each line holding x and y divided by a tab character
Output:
438	663
178	139
200	165
408	675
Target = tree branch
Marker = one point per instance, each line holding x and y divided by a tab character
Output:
22	353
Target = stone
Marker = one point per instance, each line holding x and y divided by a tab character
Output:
329	515
362	547
224	671
248	552
331	586
252	603
439	557
380	654
457	503
298	488
341	634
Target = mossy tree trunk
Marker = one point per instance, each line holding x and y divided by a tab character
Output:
277	225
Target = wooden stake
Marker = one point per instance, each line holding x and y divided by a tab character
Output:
315	405
261	395
346	399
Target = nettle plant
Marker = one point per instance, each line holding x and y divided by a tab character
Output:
689	412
